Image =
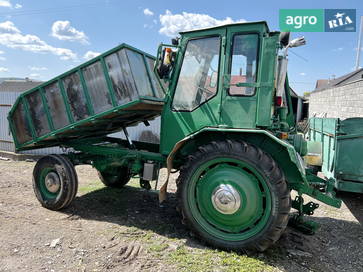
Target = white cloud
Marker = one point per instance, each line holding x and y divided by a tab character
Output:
4	69
302	74
148	12
172	24
11	36
35	68
5	3
90	55
63	30
34	75
8	27
8	4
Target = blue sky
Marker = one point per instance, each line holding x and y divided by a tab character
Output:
43	38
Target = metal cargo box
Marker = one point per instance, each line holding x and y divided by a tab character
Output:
114	90
342	146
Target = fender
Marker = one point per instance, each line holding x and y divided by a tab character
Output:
283	152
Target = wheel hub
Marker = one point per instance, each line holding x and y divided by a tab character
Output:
226	199
52	182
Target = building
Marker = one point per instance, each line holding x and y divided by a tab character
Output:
323	84
341	97
10	88
17	85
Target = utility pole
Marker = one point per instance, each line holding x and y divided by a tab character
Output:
359	48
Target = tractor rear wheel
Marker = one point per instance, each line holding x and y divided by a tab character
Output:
116	178
55	181
234	196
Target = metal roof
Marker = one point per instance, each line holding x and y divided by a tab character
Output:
220	26
18	85
323	84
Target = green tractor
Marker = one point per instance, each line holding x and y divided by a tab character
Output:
227	127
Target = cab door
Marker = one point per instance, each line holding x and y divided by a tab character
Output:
239	101
195	90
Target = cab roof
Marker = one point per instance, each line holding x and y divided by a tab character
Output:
226	25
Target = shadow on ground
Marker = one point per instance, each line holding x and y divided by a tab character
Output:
130	206
336	247
354	202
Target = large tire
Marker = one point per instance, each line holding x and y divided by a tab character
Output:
116	178
55	182
234	196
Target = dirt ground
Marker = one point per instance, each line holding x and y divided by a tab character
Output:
126	230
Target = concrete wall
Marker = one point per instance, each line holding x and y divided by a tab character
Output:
340	102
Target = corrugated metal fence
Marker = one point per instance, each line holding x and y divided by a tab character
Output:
7	99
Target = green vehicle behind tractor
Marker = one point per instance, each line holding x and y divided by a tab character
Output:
227	126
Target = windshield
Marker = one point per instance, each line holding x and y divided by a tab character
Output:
197	81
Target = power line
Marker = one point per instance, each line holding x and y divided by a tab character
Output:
297	82
301	57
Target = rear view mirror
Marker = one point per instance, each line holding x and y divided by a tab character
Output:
297	42
165	62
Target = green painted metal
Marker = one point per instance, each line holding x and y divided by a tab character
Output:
342	149
250	116
47	195
46	109
66	101
308	209
266	97
303	225
207	114
282	151
255	208
299	143
109	82
149	76
116	151
107	120
86	93
28	119
221	110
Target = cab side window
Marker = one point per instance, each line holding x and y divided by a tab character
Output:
243	67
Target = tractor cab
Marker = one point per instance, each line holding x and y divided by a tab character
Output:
225	76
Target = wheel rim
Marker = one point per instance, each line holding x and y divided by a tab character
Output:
226	199
229	199
49	183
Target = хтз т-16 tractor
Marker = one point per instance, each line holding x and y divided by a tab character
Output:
227	126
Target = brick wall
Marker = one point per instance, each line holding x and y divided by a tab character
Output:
340	102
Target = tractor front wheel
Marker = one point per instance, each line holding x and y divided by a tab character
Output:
55	182
234	196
